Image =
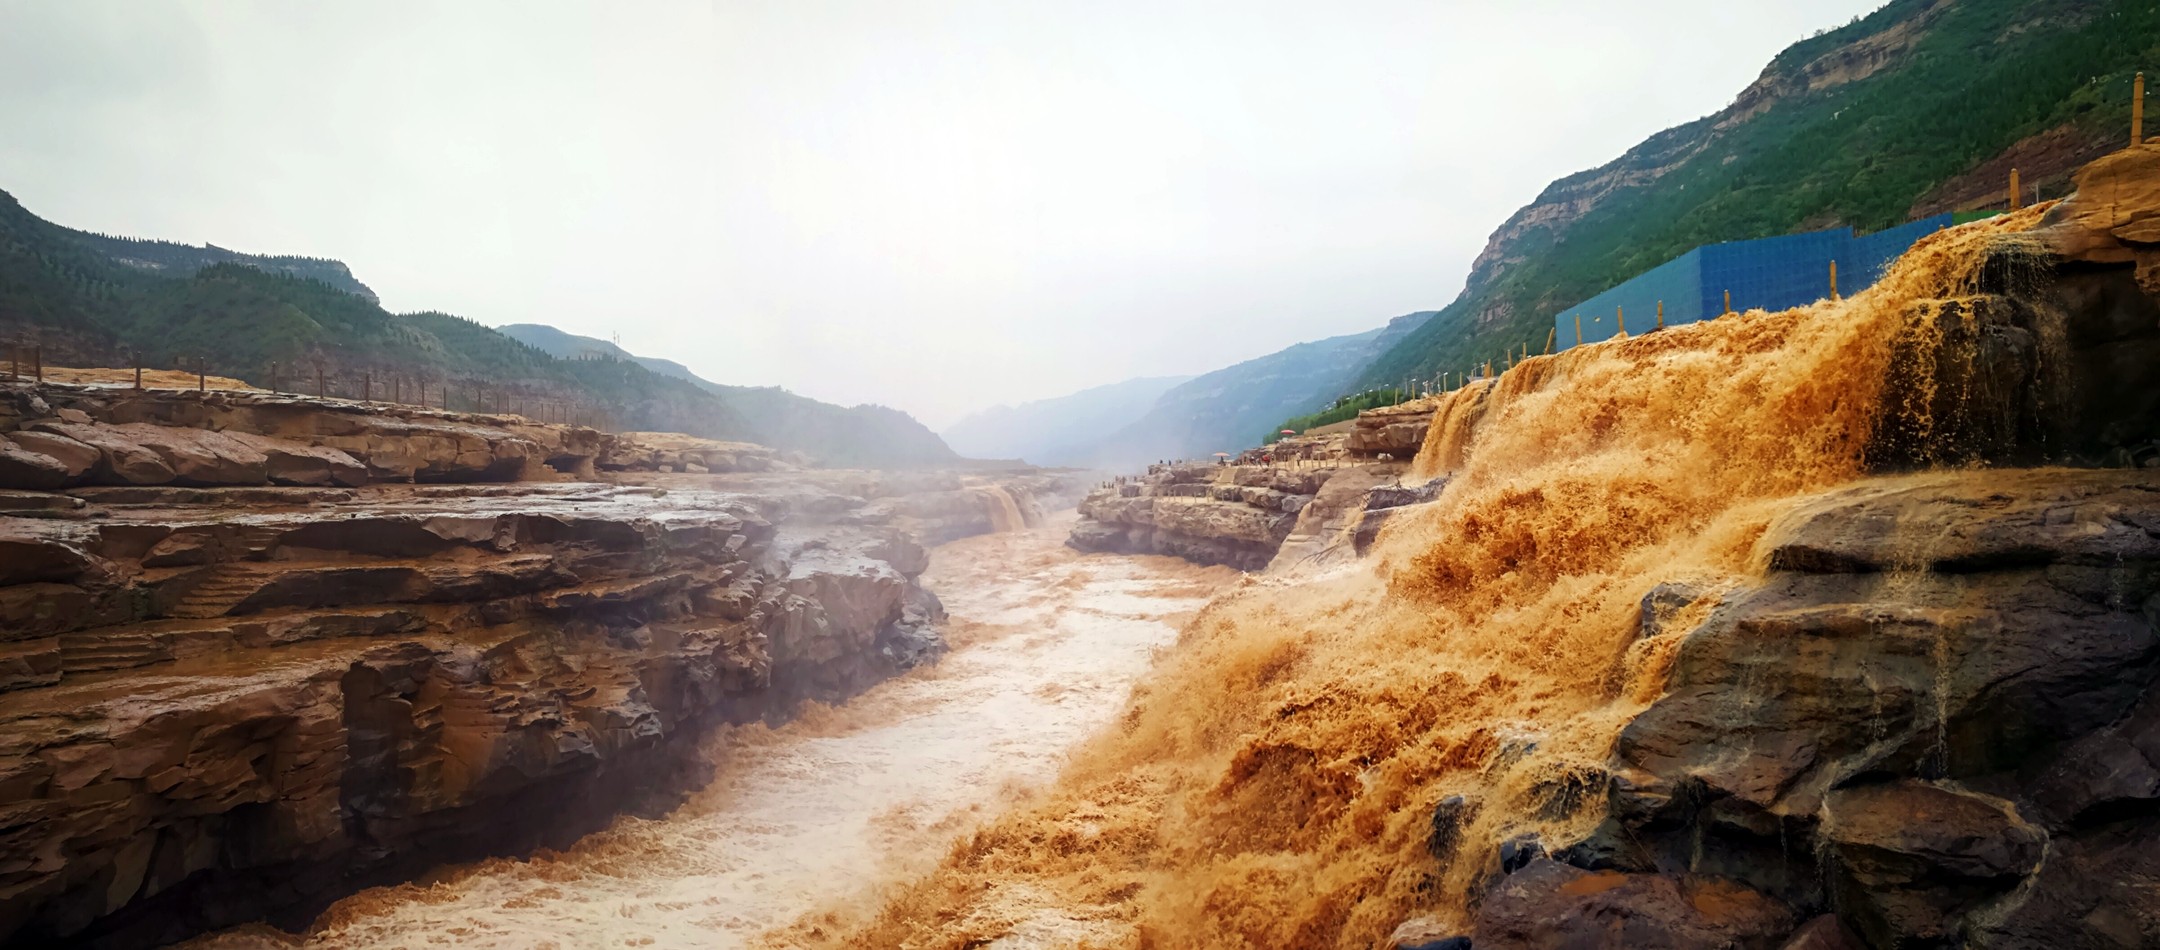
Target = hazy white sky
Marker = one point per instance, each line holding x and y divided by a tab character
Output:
932	205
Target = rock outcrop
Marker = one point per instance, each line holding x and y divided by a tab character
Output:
55	436
1876	732
675	452
1394	431
1305	500
1236	515
212	718
247	666
1931	721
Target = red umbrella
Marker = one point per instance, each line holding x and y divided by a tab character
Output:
1289	431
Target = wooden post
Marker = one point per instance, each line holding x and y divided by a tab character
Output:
136	357
1578	329
318	379
273	376
2016	193
37	363
14	351
1550	336
397	388
1620	313
1833	281
1488	369
2137	110
202	374
1728	304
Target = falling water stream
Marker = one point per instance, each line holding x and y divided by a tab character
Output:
806	820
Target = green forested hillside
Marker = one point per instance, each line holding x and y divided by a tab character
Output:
93	299
840	435
1865	125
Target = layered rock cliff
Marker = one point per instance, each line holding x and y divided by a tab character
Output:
251	660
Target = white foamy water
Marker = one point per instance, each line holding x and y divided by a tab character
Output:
815	814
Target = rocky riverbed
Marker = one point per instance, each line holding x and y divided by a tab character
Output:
248	666
805	819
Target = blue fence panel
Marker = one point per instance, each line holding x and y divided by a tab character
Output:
1872	255
1673	283
1775	273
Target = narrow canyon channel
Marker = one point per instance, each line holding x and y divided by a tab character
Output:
810	817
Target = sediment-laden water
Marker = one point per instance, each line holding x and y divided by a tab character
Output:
805	821
1273	781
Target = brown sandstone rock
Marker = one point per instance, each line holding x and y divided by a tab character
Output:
293	463
1236	515
1912	857
1945	677
78	458
1823	933
2118	192
199	456
121	461
1398	431
22	468
1549	905
207	718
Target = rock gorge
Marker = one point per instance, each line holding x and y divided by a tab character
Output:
259	651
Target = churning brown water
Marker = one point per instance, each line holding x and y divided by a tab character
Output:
1272	781
807	819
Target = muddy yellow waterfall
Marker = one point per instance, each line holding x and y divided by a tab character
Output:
1271	783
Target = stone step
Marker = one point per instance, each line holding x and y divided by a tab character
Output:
219	594
80	653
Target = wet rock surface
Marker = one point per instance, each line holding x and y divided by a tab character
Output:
1202	512
1397	431
1547	904
1247	516
1930	724
240	677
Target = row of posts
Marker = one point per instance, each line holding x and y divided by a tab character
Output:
1410	388
27	362
483	398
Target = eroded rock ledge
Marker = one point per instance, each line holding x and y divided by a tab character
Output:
1873	746
1308	502
235	688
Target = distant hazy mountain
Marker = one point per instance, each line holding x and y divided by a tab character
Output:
863	435
1227	410
1063	431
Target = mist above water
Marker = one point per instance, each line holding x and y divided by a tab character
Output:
807	820
1272	782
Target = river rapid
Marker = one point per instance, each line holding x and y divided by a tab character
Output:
805	822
